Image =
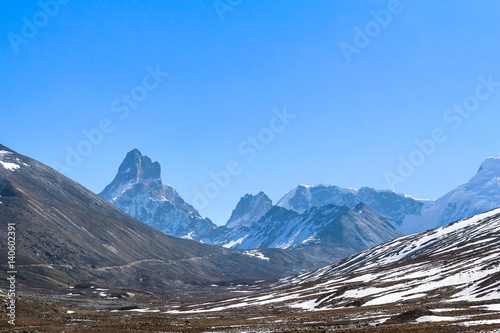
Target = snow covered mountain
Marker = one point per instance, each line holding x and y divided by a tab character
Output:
138	191
409	215
300	218
481	193
329	232
393	206
250	208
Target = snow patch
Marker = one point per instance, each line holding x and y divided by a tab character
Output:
10	166
233	243
257	254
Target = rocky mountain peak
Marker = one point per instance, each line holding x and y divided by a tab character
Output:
249	209
139	167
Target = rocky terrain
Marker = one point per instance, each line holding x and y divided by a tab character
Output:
443	280
322	233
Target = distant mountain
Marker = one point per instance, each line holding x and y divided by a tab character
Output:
300	215
392	206
138	190
68	235
481	193
249	209
329	232
407	214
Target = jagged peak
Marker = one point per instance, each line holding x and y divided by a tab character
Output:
250	208
138	166
135	168
361	207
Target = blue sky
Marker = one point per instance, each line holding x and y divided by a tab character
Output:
228	73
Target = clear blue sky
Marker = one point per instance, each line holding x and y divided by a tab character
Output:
225	78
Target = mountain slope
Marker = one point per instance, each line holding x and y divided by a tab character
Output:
138	190
68	235
481	193
453	269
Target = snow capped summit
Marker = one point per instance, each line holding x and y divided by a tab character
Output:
480	194
137	166
250	208
406	213
488	173
138	190
328	232
392	206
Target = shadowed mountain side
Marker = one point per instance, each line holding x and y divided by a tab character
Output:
68	235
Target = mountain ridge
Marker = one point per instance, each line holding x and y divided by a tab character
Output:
68	235
408	214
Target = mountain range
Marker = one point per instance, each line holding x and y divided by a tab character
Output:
304	215
327	233
481	193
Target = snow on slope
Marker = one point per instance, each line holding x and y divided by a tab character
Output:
481	193
10	163
331	232
455	263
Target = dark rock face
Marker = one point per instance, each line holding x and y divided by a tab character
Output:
249	209
6	188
